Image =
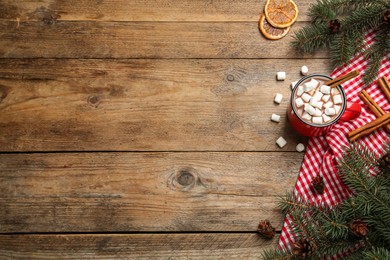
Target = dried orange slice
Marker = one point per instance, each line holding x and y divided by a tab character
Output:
270	32
281	13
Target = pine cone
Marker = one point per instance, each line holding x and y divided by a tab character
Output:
334	25
266	230
384	163
303	248
386	16
359	228
318	184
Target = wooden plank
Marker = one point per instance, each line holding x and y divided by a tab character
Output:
125	192
137	246
87	39
146	105
140	10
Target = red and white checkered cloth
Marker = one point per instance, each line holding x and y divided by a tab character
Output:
322	152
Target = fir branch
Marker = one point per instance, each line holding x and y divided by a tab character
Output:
336	226
290	202
358	23
302	224
349	41
377	253
326	10
356	17
355	178
352	175
379	49
373	67
383	230
312	38
363	154
364	18
276	255
330	230
370	203
336	247
342	48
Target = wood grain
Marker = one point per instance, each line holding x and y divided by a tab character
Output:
136	246
140	10
145	105
122	192
87	39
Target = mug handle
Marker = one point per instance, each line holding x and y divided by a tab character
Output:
352	111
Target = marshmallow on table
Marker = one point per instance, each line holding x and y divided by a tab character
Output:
300	147
278	98
325	89
304	70
306	97
281	75
337	99
299	102
275	118
317	119
281	142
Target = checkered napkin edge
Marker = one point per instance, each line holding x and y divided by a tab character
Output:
322	152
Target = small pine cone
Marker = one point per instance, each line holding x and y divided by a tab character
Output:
334	25
318	184
384	163
359	228
303	248
386	16
266	230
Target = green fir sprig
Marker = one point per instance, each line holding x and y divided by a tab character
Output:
341	25
359	226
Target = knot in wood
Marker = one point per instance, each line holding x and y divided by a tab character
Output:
93	100
230	77
3	92
185	178
48	20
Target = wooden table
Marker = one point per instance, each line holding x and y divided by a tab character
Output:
141	129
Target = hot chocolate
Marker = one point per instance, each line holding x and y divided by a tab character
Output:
316	103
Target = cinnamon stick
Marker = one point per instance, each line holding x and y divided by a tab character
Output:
385	86
344	78
369	128
373	106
